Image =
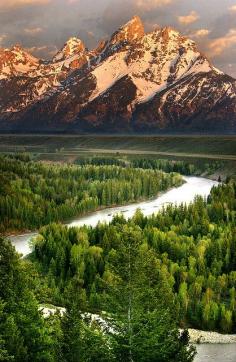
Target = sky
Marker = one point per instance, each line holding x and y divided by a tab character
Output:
43	26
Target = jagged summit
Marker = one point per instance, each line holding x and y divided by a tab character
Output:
20	53
16	61
73	46
136	81
130	32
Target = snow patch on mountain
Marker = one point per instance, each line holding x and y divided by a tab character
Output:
108	73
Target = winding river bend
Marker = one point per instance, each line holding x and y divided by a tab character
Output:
183	194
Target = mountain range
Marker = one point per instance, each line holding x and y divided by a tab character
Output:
135	82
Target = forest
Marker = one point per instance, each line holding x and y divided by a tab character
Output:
194	246
144	277
33	194
143	330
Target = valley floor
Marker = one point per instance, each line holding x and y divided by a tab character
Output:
196	149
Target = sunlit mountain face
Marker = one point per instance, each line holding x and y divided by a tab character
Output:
135	82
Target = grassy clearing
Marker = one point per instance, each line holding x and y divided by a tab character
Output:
208	145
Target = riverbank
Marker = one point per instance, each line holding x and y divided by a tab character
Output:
202	337
196	336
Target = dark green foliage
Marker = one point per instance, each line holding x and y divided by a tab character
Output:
140	294
24	335
183	167
99	161
34	194
81	341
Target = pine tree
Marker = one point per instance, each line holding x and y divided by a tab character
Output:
83	342
23	329
143	304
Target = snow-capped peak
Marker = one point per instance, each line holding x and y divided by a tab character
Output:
154	62
72	47
150	81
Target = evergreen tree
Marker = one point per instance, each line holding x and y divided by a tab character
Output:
146	329
23	329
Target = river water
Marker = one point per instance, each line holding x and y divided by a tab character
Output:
183	194
216	353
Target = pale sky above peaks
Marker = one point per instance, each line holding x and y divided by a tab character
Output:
43	26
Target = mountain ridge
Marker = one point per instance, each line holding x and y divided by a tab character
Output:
133	82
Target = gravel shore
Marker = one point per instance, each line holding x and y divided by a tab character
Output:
200	337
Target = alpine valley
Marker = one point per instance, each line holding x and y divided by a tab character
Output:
136	82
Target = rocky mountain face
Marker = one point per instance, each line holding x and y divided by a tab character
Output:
135	82
73	47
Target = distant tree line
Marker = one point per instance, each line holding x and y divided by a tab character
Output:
182	167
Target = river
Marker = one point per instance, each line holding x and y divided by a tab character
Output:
183	194
216	353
